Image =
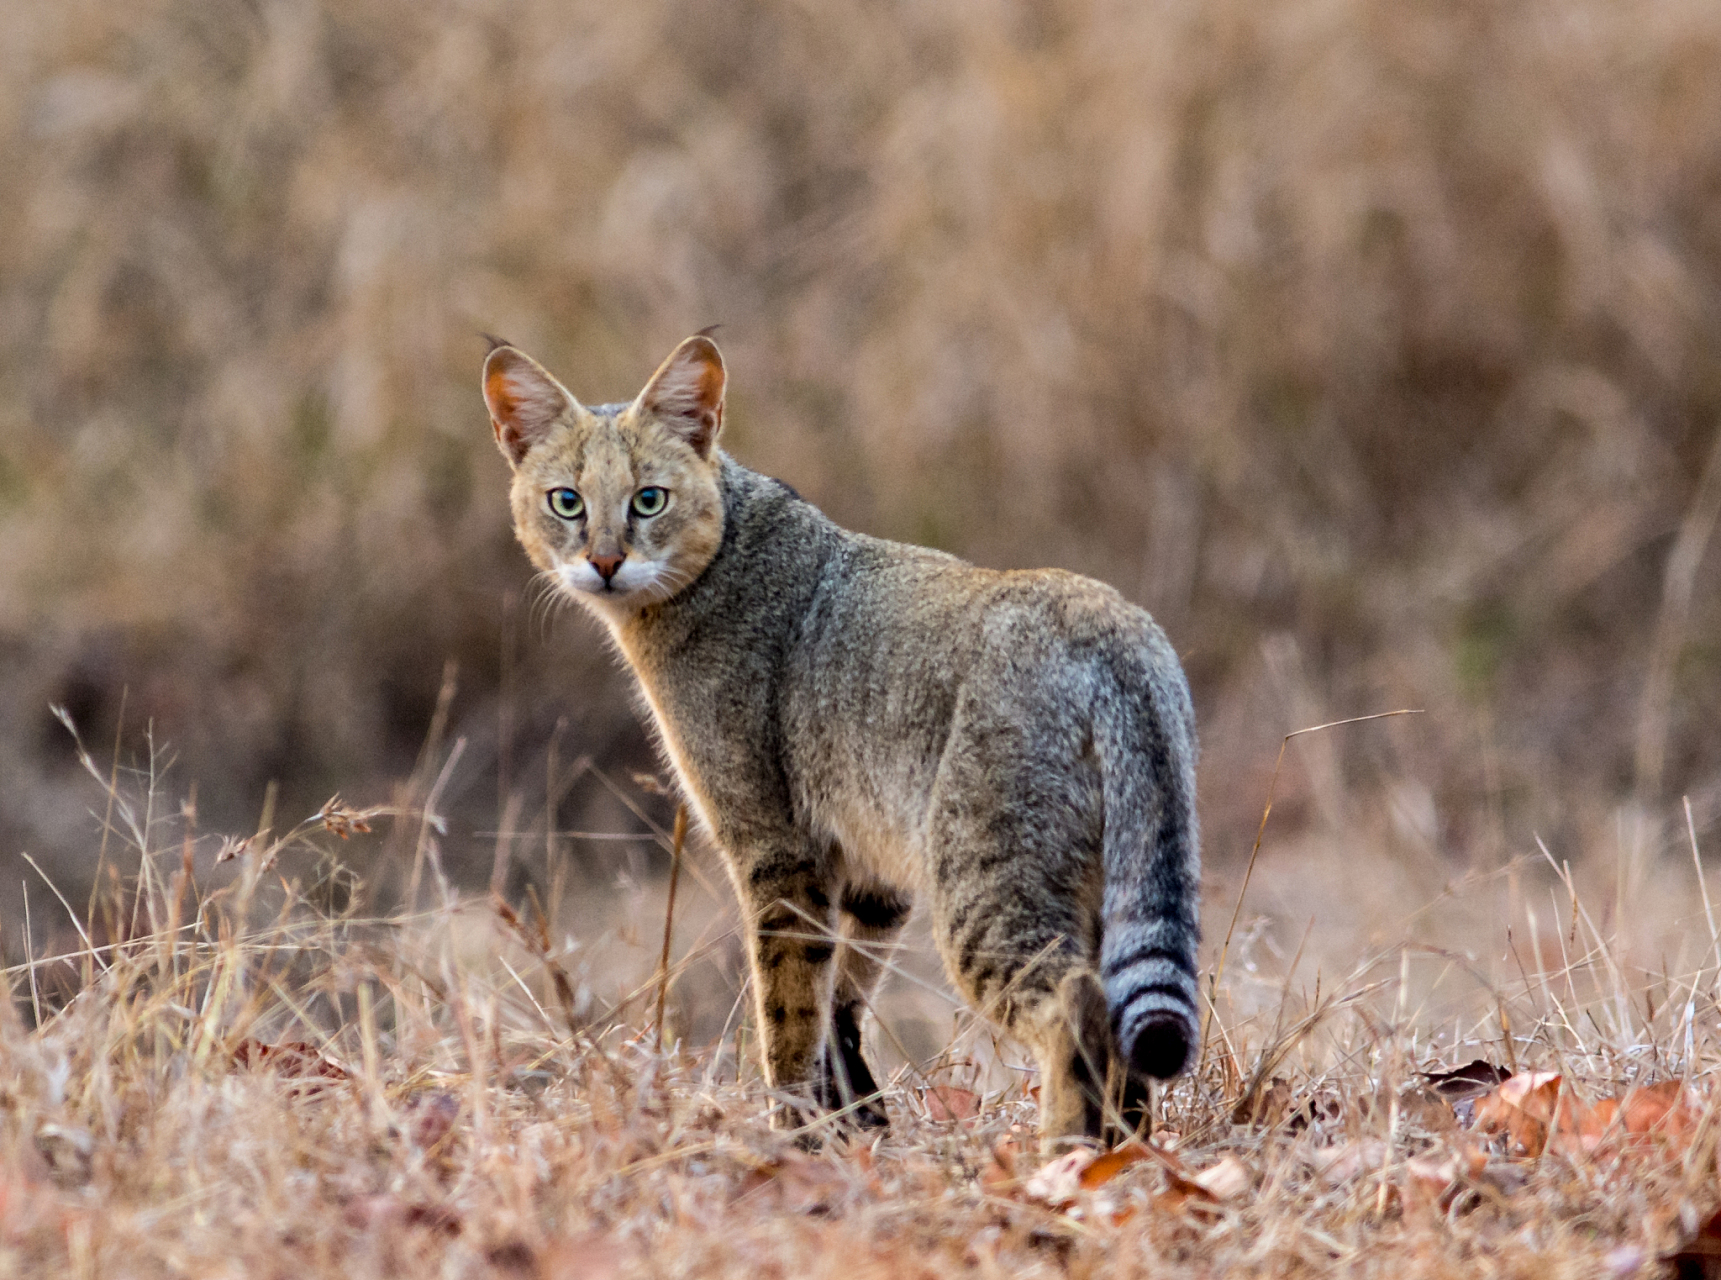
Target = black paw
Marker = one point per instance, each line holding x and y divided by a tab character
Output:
866	1114
869	1117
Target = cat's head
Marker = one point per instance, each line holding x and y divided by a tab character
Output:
619	503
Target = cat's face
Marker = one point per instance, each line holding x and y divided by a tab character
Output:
619	504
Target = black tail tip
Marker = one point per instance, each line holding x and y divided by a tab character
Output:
1162	1046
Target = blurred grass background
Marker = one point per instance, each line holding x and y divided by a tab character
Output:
1373	347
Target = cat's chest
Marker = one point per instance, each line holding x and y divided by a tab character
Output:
692	764
716	729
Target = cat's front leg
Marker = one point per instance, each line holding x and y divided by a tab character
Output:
791	939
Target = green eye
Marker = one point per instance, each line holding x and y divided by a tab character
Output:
650	500
567	504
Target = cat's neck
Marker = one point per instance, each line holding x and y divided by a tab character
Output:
738	596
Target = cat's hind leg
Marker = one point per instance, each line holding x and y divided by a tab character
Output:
870	917
1015	858
1033	980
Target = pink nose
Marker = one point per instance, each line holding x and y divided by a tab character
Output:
606	565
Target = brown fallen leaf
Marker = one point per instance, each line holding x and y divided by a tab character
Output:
1597	1122
1205	1191
1665	1112
1108	1166
1537	1113
1185	1195
1667	1109
1226	1180
1527	1108
1059	1181
946	1102
1432	1179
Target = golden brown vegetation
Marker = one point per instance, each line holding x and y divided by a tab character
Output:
249	1078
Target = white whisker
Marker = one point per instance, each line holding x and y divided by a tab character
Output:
547	599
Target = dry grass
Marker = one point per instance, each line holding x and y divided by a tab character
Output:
236	1080
1386	334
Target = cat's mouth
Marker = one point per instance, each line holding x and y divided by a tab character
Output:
633	582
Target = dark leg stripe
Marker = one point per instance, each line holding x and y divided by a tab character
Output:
875	908
982	978
764	873
959	918
968	946
785	920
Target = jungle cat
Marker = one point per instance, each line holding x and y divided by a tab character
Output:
859	723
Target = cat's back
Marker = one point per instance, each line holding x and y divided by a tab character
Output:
884	632
897	598
908	659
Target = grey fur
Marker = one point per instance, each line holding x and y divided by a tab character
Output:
1020	739
859	722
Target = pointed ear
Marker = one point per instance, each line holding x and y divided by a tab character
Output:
524	401
686	393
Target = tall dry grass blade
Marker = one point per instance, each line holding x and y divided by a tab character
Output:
369	1052
664	839
71	915
679	836
1255	852
430	821
1702	885
507	699
30	955
112	789
506	834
